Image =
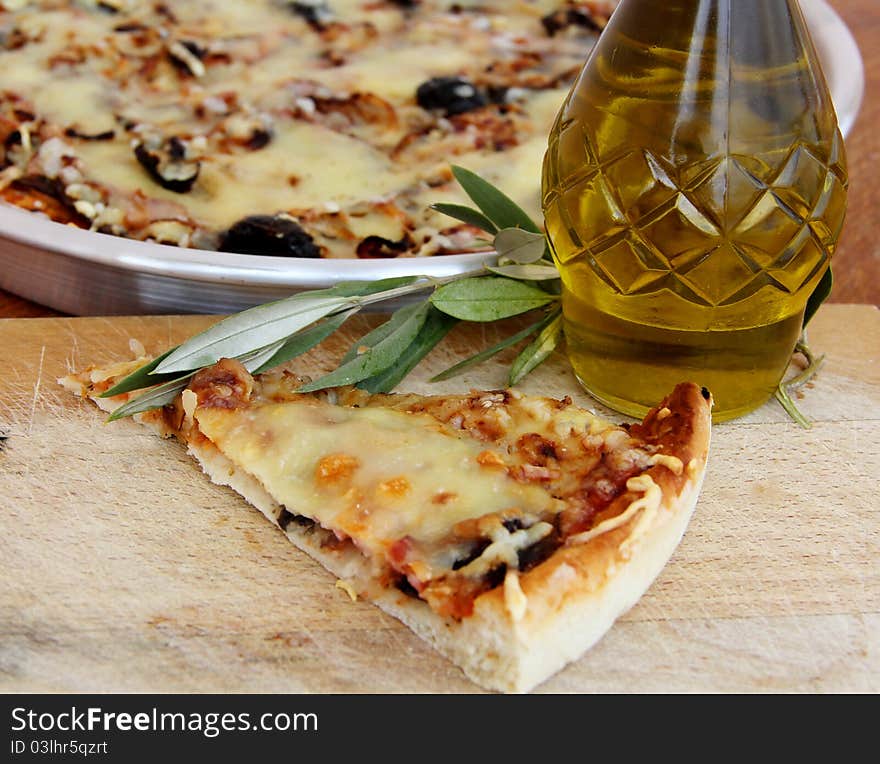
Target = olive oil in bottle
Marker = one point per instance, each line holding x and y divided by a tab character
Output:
694	189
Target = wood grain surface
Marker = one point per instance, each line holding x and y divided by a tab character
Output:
125	569
857	260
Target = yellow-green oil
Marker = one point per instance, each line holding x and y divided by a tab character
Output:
694	190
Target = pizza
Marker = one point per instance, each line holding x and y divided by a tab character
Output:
507	530
313	128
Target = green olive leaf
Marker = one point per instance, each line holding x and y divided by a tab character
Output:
538	350
305	340
437	326
485	355
254	328
142	377
525	272
489	298
467	215
519	246
373	338
380	356
495	205
364	288
154	398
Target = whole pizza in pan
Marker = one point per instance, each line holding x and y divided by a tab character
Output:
312	128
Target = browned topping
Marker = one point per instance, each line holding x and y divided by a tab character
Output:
358	108
335	468
492	130
489	459
36	201
376	247
532	473
574	14
536	449
395	488
672	432
454	597
483	527
226	384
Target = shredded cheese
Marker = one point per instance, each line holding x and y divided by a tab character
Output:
189	400
672	463
348	588
515	600
650	500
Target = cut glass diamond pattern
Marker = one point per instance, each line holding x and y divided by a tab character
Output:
624	265
646	226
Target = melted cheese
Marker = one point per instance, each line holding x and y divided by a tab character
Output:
647	504
284	446
234	186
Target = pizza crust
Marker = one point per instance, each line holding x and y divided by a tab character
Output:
524	631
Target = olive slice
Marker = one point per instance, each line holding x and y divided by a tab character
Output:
451	95
273	235
167	165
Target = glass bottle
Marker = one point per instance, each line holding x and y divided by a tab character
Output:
694	189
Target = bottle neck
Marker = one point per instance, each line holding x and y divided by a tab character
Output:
690	7
753	32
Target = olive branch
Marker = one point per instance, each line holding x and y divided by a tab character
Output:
523	279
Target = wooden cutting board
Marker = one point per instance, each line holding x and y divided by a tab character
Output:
125	569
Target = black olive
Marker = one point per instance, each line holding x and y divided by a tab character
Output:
130	26
286	518
54	189
495	577
176	148
167	166
13	139
477	548
51	187
193	47
513	524
402	583
106	135
375	247
259	138
497	93
316	12
567	17
108	6
269	235
451	95
187	56
538	552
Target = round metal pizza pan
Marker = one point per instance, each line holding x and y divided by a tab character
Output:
86	273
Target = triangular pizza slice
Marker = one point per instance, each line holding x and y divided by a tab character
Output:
509	531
